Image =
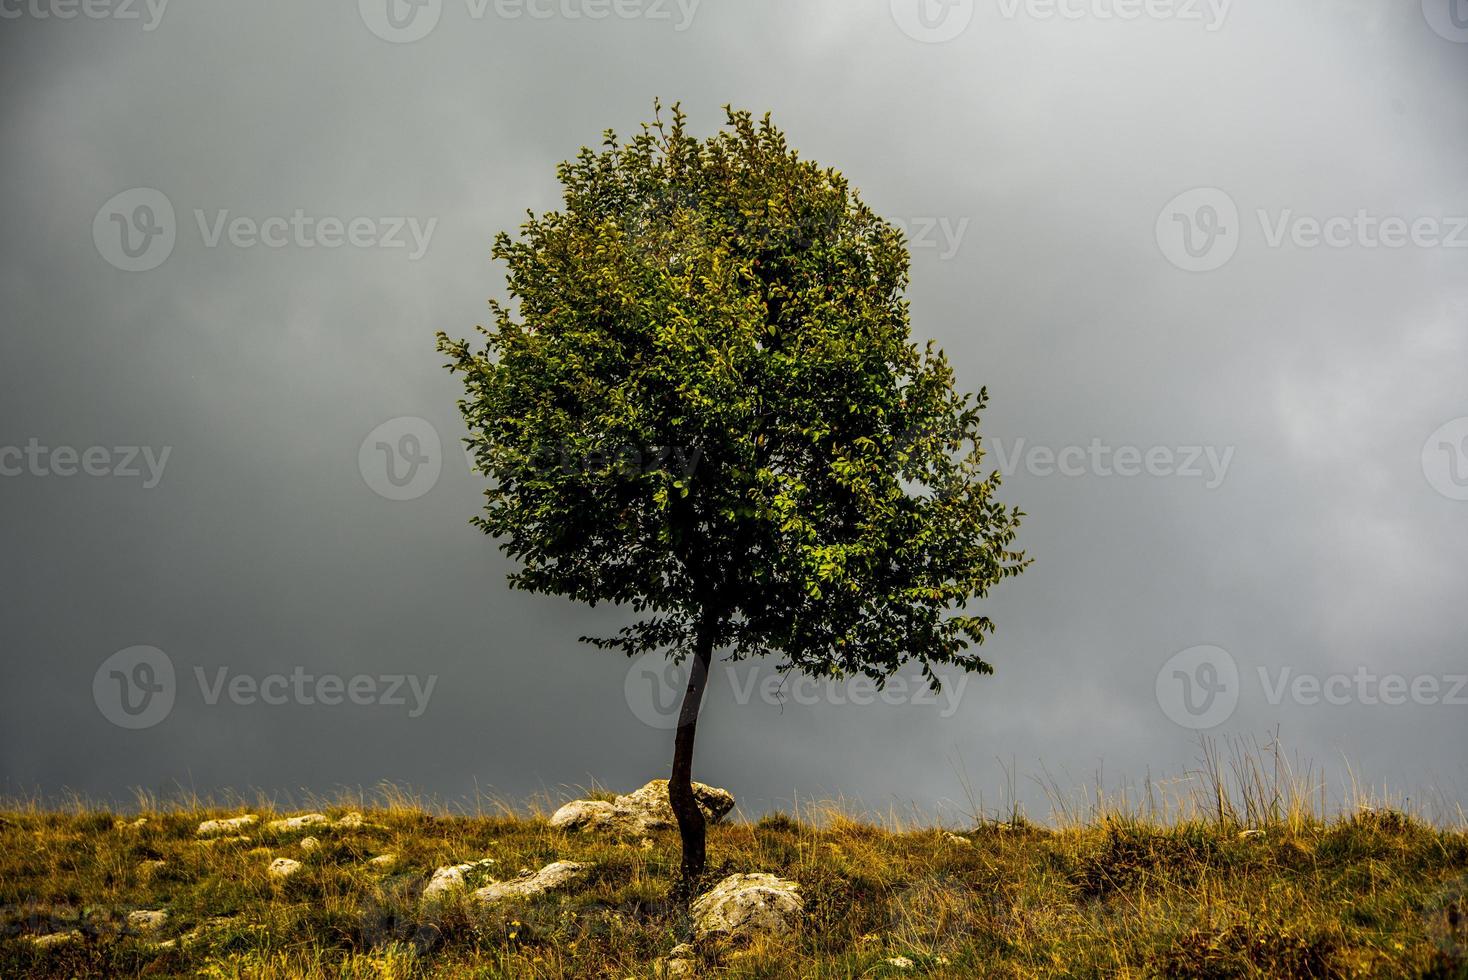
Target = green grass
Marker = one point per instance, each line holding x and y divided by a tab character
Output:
1371	894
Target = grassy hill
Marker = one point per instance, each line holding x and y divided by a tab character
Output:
1371	894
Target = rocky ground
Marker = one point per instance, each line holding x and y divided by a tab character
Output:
399	892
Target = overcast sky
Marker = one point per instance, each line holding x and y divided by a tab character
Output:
1210	259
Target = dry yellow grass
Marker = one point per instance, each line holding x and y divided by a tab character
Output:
1241	877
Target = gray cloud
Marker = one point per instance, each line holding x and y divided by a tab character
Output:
1325	549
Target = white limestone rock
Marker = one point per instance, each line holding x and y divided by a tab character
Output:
744	906
284	867
454	877
227	825
146	920
557	874
639	812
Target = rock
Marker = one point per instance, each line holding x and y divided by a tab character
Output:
129	824
639	812
383	860
309	844
151	867
900	962
451	878
956	839
284	867
555	875
1246	834
743	906
584	814
351	821
56	938
215	828
301	822
682	961
146	920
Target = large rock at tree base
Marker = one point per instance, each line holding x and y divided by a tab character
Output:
555	875
745	906
641	811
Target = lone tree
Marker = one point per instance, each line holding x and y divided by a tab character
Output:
708	408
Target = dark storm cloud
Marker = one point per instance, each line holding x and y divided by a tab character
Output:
1033	157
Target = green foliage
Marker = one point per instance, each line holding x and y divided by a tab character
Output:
705	404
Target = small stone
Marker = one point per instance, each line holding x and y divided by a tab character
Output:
1246	834
309	844
383	860
451	878
956	839
301	822
56	938
146	920
558	874
900	962
214	828
284	867
351	821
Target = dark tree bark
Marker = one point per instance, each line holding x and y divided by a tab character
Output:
680	782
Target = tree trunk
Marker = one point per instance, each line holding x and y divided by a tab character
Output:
680	782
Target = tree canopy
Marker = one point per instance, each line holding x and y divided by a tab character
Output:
704	404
